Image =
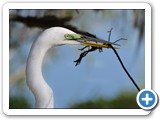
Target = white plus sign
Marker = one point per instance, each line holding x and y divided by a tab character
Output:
147	99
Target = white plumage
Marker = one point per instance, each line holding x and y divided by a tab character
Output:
51	37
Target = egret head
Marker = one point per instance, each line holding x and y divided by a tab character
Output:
60	36
57	36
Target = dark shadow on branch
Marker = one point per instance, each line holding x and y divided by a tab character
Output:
41	22
47	22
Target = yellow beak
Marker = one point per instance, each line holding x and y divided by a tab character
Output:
97	45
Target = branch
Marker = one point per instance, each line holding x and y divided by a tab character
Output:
41	22
47	22
125	68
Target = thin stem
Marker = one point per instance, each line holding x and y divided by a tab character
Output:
109	34
125	68
119	40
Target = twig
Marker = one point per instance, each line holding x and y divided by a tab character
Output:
109	34
125	68
82	55
119	40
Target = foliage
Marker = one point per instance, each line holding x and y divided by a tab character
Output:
123	101
18	103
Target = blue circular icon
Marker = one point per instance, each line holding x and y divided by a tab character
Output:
147	99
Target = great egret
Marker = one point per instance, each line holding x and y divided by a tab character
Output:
51	37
